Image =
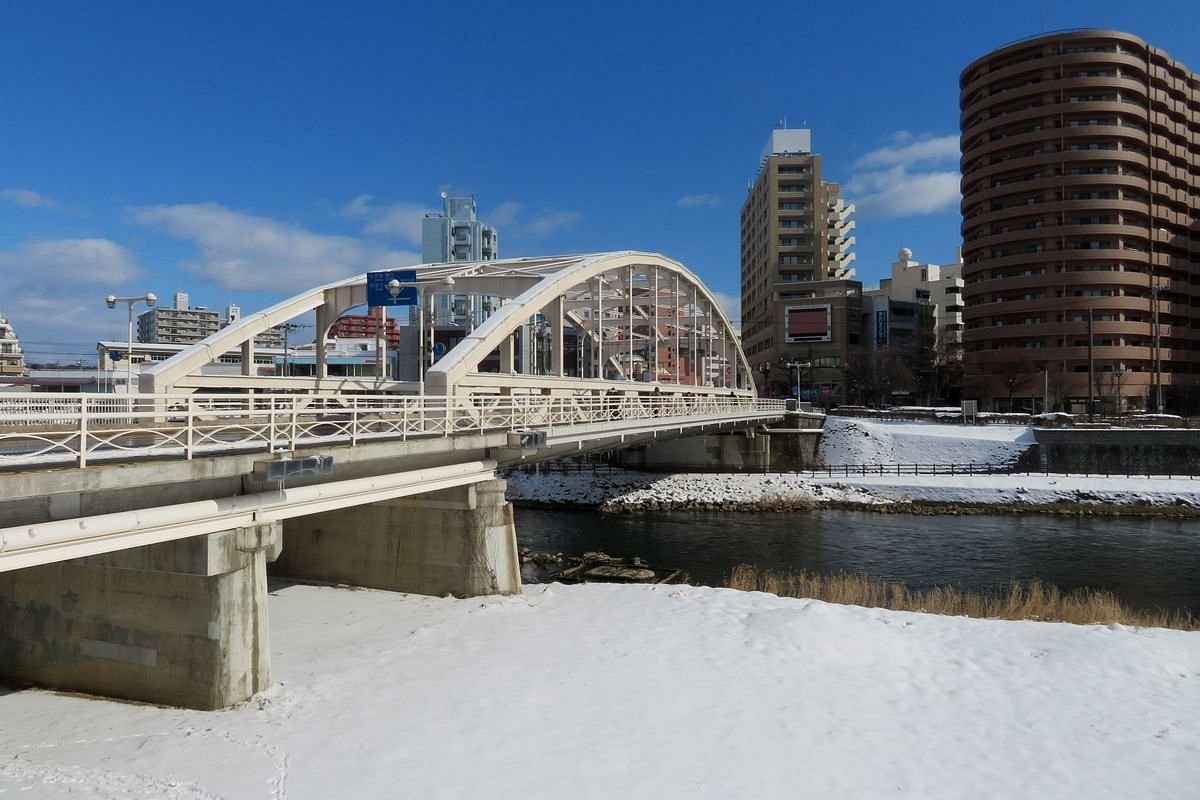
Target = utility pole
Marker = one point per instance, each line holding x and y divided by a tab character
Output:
1091	373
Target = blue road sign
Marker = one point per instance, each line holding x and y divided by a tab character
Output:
380	294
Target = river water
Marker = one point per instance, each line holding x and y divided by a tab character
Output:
1147	563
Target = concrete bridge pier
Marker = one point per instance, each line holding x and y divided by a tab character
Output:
459	541
182	623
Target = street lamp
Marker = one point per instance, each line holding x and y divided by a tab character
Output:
149	299
447	282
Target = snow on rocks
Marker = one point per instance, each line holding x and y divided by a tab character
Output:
620	490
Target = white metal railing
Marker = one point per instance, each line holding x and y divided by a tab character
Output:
47	429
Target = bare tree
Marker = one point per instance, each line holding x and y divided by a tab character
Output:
1011	369
878	373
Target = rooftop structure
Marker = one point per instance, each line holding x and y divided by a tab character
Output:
12	360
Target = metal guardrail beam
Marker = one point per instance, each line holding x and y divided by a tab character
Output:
38	430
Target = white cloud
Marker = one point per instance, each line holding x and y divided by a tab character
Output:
27	198
898	193
732	306
64	263
504	214
398	220
548	222
53	293
910	152
358	207
243	252
699	201
908	177
401	220
511	220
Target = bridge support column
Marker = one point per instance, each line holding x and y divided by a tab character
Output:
182	623
717	452
459	541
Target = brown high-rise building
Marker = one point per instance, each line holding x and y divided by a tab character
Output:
798	305
1081	253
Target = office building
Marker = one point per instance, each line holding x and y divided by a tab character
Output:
457	234
184	324
364	326
1080	250
938	286
799	304
177	324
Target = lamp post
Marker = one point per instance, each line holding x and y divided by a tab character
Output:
149	299
798	365
1045	389
446	282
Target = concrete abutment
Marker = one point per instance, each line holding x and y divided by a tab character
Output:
459	541
182	623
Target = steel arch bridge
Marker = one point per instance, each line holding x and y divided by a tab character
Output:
581	324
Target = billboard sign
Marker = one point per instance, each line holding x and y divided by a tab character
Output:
809	323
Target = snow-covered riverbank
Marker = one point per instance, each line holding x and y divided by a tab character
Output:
630	491
601	691
857	441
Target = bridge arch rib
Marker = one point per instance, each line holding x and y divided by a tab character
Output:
564	324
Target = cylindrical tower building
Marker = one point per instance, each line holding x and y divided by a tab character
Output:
1081	191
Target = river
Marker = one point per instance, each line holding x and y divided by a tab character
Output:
1147	563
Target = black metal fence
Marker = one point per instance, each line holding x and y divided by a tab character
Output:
578	466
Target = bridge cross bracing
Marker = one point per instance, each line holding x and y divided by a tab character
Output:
563	324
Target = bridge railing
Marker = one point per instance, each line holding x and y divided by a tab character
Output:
77	429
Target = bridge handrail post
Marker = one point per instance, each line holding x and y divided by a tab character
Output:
271	425
190	427
83	430
294	402
354	421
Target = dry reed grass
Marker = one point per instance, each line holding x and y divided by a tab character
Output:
1032	600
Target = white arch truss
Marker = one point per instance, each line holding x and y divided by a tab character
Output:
554	324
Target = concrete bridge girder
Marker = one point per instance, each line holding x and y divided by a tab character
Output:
167	604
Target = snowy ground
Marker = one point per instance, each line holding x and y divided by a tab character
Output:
602	691
854	441
599	691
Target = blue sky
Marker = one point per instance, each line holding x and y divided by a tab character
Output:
246	151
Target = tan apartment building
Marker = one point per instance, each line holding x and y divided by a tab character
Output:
799	305
1081	187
